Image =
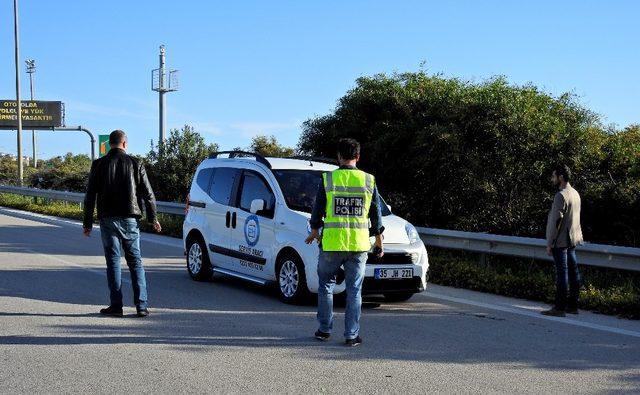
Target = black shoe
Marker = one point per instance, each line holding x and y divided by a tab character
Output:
572	311
554	312
142	312
353	342
112	311
322	336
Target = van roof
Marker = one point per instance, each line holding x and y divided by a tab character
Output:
280	163
300	164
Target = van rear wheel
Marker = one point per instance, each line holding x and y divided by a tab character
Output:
292	282
198	263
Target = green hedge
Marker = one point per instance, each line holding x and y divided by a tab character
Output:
613	292
171	224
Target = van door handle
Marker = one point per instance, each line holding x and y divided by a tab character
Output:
233	220
228	219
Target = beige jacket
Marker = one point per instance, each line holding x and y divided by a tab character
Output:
563	223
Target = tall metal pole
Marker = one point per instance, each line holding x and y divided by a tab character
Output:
18	103
161	92
31	68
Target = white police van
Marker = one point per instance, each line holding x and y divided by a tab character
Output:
248	216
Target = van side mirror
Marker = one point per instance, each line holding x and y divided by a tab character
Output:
257	205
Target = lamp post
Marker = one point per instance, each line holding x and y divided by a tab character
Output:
18	103
31	69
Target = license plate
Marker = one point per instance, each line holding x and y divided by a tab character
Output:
391	274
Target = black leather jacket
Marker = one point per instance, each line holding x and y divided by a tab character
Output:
122	188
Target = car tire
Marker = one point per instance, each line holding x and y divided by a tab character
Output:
291	279
398	297
198	263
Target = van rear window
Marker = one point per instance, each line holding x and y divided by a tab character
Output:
204	178
224	179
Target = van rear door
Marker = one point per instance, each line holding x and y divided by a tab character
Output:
218	218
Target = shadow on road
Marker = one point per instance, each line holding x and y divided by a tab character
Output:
195	317
198	316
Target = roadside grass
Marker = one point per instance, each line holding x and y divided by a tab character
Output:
606	291
171	224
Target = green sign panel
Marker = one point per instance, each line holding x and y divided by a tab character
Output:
103	141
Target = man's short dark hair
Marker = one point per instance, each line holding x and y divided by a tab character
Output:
117	137
562	170
348	149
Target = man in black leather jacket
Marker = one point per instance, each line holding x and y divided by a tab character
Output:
122	188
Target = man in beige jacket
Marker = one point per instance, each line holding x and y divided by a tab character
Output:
563	235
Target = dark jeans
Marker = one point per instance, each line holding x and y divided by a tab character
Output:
354	266
567	278
118	232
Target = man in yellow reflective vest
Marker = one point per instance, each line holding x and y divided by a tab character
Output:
348	201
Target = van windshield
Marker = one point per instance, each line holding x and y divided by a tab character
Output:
300	188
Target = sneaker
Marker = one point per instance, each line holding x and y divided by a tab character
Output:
322	336
142	312
112	311
353	342
572	311
554	312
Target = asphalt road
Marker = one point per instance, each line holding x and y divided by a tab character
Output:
228	336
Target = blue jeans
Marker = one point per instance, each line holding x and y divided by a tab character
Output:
328	265
567	278
120	232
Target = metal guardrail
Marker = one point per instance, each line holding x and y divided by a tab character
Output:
601	255
162	207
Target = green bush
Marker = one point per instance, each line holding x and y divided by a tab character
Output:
171	166
473	156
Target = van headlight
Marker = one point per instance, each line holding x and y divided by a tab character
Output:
412	233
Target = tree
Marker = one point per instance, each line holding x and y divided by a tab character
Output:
172	165
476	156
63	173
269	146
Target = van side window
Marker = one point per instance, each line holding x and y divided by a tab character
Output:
255	187
204	178
224	179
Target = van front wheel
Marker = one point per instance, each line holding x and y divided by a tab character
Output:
292	282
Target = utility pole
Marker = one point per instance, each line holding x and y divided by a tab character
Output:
31	68
162	102
18	103
163	82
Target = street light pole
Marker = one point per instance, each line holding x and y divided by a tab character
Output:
31	69
18	103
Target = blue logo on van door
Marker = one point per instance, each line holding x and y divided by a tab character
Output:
252	230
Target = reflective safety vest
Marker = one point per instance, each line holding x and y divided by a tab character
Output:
346	224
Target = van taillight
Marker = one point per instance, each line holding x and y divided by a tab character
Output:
186	207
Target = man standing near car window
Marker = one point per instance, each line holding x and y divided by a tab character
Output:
347	200
121	186
563	235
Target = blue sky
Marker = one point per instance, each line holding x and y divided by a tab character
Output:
263	67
